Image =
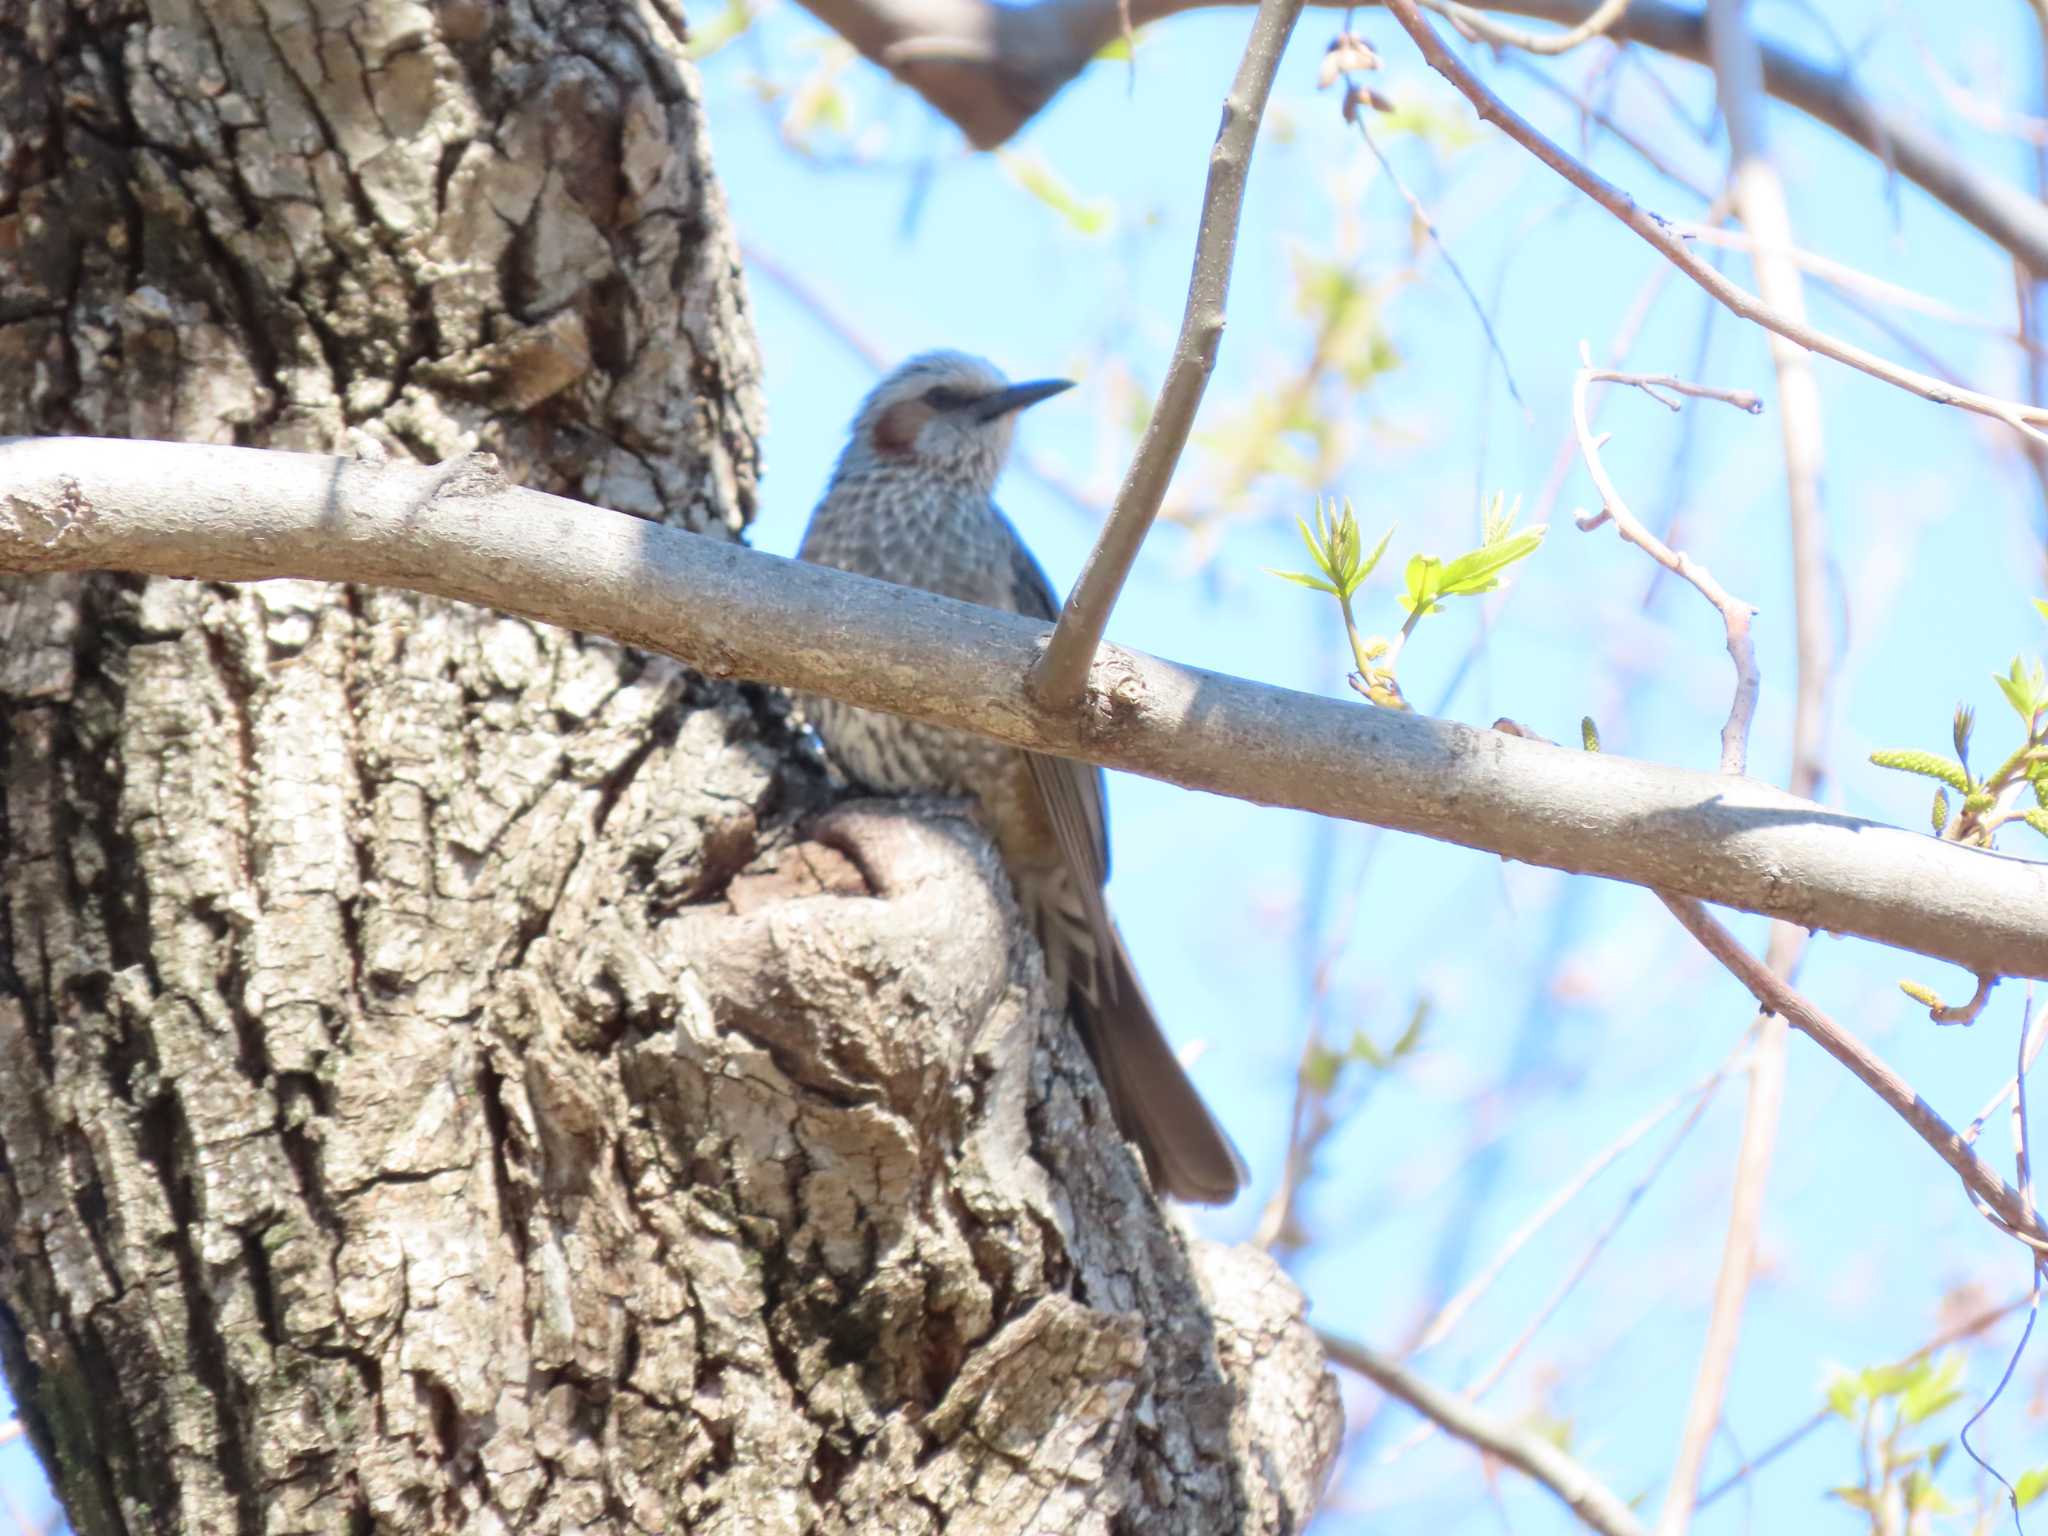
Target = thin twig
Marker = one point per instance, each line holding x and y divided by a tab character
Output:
1651	383
1489	1378
1308	1127
2002	1202
1557	1298
1355	110
2012	1084
1659	234
1643	150
1062	673
1523	1449
1453	1311
2039	1259
1735	614
1482	28
1840	275
1760	203
1977	108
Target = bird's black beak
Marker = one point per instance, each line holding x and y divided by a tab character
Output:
1017	396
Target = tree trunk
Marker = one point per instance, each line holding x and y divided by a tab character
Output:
447	1078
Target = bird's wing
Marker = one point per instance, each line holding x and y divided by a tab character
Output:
1073	792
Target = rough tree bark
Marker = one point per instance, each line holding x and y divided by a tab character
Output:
447	1078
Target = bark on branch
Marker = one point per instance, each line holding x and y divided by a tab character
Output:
458	531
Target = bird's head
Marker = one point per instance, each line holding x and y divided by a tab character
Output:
947	413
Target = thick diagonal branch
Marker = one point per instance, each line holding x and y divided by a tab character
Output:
231	514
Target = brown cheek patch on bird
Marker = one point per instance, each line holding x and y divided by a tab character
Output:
896	428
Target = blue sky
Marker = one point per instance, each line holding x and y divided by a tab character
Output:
1561	1010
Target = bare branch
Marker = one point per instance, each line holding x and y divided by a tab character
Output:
232	514
1660	234
1489	1378
1354	109
1735	613
1063	673
1008	61
1477	25
1523	1449
1760	1115
1848	279
2003	1203
1453	1311
2012	1084
1651	383
1760	203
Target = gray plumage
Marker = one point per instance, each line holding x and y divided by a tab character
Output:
910	502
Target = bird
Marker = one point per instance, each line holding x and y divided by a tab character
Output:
910	501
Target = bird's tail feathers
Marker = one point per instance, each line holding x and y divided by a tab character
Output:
1188	1155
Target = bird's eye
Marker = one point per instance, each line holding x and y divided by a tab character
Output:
944	397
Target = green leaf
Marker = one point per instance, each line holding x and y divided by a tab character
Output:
1346	311
1301	580
1896	1380
1922	1497
1497	522
2037	819
1479	571
1372	560
2032	1484
1314	539
1959	733
1363	1049
1932	764
1444	129
1425	580
2042	605
1412	1035
713	35
2020	691
1856	1497
1319	1068
1119	49
1843	1394
1084	215
1333	545
1929	1394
